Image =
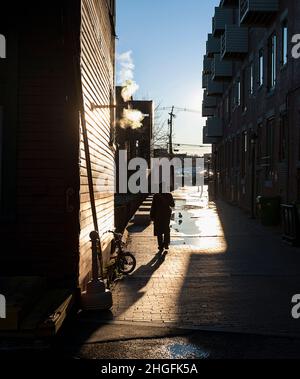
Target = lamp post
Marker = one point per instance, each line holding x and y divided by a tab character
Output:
253	139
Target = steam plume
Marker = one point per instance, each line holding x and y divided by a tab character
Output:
126	75
132	118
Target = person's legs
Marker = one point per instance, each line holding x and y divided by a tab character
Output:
167	239
160	241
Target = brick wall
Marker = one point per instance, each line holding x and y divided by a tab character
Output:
265	110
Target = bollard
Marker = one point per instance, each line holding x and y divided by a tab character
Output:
97	296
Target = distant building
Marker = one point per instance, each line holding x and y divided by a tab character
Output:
161	153
55	56
136	141
252	100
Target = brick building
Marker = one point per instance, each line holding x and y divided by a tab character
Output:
252	100
137	142
58	57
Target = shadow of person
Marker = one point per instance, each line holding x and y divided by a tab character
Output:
134	284
158	259
149	269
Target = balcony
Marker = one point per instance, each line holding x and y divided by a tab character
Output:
209	101
205	79
234	42
213	46
214	88
209	105
221	70
208	140
229	3
214	127
257	12
222	17
207	65
208	112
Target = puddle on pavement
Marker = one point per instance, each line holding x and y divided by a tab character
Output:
186	351
185	217
187	221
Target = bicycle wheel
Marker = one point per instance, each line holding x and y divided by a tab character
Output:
127	263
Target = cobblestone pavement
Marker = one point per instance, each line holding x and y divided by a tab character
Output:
223	272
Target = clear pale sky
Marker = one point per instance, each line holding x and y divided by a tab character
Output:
167	39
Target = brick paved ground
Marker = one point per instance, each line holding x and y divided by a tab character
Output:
223	272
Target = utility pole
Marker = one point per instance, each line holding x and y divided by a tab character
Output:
170	123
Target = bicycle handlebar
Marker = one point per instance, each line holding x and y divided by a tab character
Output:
112	232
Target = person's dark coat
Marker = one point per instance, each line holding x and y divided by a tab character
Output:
161	212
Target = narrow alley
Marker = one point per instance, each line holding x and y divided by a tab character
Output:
226	281
149	180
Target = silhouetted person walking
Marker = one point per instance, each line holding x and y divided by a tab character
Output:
161	215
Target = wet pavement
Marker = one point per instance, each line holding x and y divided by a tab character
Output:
224	272
195	347
80	340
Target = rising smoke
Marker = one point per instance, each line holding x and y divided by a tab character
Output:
131	118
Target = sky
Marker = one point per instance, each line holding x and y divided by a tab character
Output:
168	40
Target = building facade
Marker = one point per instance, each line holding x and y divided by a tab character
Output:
252	101
58	62
137	142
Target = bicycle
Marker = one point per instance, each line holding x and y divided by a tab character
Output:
122	263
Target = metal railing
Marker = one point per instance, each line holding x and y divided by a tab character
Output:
244	6
223	44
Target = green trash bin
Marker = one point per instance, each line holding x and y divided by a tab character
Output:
269	210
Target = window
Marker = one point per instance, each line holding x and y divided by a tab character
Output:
229	105
282	138
238	150
272	68
2	47
237	93
233	153
269	147
244	154
251	89
261	68
259	144
244	91
284	43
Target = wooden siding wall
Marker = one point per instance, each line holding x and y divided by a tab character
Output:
97	66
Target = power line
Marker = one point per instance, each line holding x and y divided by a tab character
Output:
180	109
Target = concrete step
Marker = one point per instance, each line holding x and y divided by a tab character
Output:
21	294
142	216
